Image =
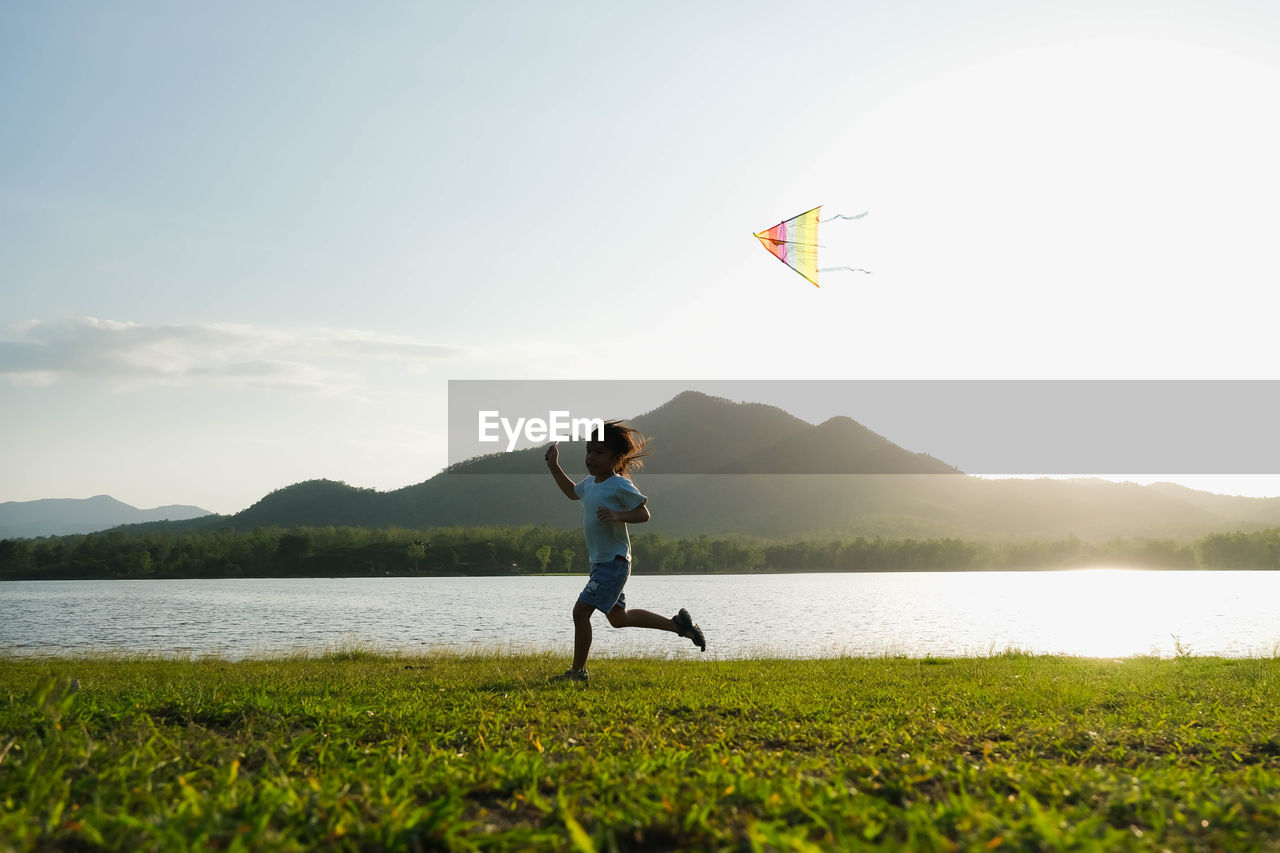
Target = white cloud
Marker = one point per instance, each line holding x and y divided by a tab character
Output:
134	354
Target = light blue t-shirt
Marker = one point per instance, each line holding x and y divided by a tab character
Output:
607	539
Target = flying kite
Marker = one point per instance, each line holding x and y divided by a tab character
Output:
794	241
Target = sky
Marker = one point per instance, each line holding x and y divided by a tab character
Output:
244	245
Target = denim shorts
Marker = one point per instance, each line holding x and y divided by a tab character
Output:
604	590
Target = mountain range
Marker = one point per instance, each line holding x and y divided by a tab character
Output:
719	467
64	516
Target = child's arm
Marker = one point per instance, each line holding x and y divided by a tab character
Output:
639	515
561	478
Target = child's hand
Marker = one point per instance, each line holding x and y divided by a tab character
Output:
553	454
606	514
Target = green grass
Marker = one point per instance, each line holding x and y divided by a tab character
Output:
355	750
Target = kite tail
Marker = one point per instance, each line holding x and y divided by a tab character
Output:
838	269
842	216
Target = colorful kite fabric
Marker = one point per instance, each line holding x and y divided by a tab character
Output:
795	243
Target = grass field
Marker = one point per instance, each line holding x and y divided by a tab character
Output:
354	750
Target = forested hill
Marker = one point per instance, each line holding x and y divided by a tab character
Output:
64	516
716	469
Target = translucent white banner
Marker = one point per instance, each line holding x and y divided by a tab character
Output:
1015	427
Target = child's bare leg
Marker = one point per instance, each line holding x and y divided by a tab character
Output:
620	618
581	633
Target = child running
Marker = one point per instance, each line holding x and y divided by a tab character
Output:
610	501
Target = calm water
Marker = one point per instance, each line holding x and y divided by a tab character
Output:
1101	613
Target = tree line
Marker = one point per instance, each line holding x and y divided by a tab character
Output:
489	550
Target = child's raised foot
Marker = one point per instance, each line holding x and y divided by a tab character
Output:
688	628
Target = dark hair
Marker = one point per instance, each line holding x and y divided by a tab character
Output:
627	444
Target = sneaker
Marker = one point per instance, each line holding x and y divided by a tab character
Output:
688	628
579	675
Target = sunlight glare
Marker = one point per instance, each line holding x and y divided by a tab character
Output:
1102	609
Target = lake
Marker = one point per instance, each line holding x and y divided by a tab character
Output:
1094	613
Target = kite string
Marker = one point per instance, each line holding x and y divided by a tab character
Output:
836	269
839	269
842	216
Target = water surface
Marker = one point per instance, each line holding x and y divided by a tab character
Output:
1096	613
